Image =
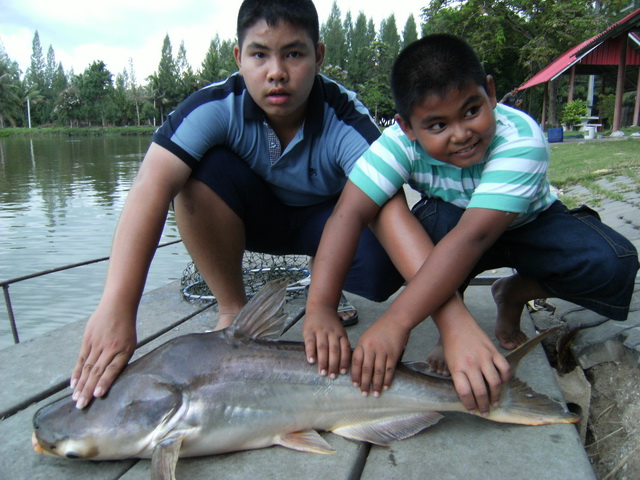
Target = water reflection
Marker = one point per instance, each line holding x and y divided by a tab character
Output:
60	200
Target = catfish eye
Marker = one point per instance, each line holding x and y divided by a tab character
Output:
72	455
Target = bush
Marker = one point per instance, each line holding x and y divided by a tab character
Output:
573	113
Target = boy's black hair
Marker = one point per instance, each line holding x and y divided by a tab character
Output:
434	65
301	13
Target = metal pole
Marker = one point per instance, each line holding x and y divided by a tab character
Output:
12	320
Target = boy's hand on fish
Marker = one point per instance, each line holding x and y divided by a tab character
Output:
326	343
375	357
477	368
107	346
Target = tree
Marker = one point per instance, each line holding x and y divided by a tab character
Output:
35	75
10	86
135	93
95	87
376	92
123	106
187	82
334	38
212	64
68	105
410	32
389	35
360	54
165	80
35	81
59	82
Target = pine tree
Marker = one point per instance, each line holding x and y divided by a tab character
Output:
333	36
166	80
35	84
410	32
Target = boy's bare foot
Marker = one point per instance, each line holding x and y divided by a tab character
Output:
506	293
436	361
224	320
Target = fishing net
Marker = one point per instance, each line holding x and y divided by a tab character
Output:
258	270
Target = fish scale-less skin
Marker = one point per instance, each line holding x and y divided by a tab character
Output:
264	389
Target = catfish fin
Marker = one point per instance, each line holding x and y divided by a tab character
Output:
385	430
520	404
514	356
263	317
306	441
164	459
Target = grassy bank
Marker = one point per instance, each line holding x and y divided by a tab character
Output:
75	132
586	162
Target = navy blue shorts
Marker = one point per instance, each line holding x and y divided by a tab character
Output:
275	228
571	253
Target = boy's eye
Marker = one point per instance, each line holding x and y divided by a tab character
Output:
472	111
294	54
436	127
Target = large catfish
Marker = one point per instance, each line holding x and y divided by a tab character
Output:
239	389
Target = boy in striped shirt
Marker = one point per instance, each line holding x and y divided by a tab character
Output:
486	203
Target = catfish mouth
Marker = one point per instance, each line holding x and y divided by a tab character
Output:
42	447
55	450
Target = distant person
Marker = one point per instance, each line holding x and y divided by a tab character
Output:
511	98
254	162
481	169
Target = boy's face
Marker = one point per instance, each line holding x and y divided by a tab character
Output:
456	129
279	65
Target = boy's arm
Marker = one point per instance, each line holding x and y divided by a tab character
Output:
446	268
472	356
326	341
110	335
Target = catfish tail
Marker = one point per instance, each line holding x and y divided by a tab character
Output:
520	404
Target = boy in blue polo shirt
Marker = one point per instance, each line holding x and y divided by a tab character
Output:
486	203
255	162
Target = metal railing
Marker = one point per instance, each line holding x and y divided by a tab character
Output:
6	283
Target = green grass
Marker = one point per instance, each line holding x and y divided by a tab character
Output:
75	132
585	163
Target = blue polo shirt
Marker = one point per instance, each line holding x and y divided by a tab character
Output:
314	166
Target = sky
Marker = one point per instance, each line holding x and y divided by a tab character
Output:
114	31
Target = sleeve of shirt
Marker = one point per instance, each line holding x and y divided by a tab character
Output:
514	177
385	167
196	125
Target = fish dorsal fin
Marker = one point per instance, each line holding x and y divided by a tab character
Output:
519	353
263	317
307	441
385	430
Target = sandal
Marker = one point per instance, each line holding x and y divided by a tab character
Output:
344	306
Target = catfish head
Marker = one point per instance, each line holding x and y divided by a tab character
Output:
138	412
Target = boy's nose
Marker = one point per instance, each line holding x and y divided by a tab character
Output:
460	134
277	72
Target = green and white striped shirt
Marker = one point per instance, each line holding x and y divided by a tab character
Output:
512	177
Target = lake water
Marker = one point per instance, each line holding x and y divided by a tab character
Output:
60	200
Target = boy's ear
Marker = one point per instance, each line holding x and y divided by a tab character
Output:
491	91
406	127
320	51
237	55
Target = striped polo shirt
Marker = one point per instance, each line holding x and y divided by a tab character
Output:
512	177
312	168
